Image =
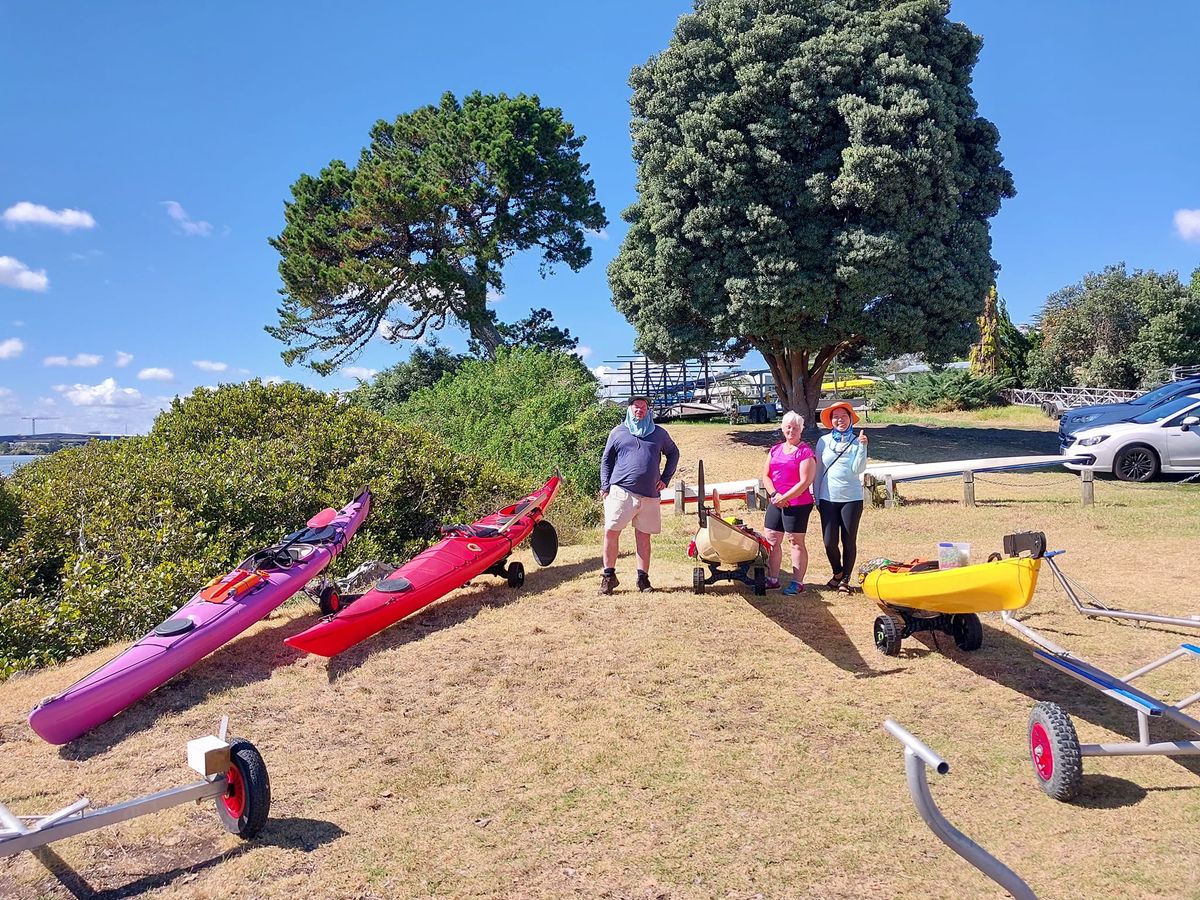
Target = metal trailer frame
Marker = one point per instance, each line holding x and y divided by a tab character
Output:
21	833
1054	747
1097	610
917	755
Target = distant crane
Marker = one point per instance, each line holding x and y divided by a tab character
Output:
34	420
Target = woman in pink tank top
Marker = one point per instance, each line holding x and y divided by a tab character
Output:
788	475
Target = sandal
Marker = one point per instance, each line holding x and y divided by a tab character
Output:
833	582
843	587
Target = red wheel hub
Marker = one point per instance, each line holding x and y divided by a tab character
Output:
235	792
1042	751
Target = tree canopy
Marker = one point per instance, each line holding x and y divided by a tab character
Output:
812	177
417	233
1117	329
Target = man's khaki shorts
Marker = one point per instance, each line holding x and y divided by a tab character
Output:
621	507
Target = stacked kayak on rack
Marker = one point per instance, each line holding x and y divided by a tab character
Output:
465	552
218	612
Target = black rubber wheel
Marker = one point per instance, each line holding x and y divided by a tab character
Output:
967	631
1054	751
329	600
515	575
1136	462
760	581
244	806
698	580
887	635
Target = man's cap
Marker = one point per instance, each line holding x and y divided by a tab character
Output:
637	397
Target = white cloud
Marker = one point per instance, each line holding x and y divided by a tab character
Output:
156	374
583	352
494	296
26	213
274	379
11	348
15	274
105	394
359	372
123	359
189	226
1187	224
602	234
82	360
208	365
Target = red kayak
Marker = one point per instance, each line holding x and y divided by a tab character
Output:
465	552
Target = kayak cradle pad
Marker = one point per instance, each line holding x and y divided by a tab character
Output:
393	585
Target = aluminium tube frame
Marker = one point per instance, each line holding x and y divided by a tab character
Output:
917	755
1092	611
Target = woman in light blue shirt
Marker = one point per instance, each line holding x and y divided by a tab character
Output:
842	457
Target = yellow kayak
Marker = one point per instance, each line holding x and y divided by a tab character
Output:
846	384
986	587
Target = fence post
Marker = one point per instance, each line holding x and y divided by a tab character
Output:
1086	481
890	484
680	496
968	488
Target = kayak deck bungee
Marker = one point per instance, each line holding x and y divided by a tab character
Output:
218	612
465	552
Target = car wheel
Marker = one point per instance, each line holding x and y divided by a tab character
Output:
1135	463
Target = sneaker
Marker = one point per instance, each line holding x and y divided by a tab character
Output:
772	584
793	589
643	582
608	584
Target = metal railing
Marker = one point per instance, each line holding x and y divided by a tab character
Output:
1068	398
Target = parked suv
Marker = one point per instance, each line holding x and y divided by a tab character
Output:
1164	438
1092	416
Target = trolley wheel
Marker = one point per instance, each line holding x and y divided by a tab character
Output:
967	631
515	575
1054	751
243	807
329	600
698	580
760	581
887	635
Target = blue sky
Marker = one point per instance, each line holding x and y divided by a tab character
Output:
148	149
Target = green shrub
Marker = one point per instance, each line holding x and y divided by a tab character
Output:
941	391
115	535
529	410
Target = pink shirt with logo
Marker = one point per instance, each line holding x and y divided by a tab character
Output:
784	469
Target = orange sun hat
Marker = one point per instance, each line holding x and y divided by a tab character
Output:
827	413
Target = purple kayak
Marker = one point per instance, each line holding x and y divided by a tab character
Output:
215	614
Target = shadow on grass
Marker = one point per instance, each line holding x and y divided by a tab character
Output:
293	834
931	443
242	661
452	609
807	618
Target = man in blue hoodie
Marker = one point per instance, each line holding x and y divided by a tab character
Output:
631	477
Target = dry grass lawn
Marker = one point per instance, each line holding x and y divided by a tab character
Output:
554	743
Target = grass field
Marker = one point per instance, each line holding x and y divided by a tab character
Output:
554	743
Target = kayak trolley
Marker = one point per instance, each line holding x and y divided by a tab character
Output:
235	777
917	755
1054	747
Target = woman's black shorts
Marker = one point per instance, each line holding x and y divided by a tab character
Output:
792	519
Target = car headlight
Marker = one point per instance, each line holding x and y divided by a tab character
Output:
1092	441
1081	419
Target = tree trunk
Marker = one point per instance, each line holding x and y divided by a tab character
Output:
798	377
485	331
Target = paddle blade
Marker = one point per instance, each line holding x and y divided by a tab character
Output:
323	518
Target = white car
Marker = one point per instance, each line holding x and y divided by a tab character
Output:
1165	438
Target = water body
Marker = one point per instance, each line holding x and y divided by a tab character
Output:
10	463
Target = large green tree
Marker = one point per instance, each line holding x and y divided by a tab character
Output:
1117	329
1001	350
812	178
417	233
